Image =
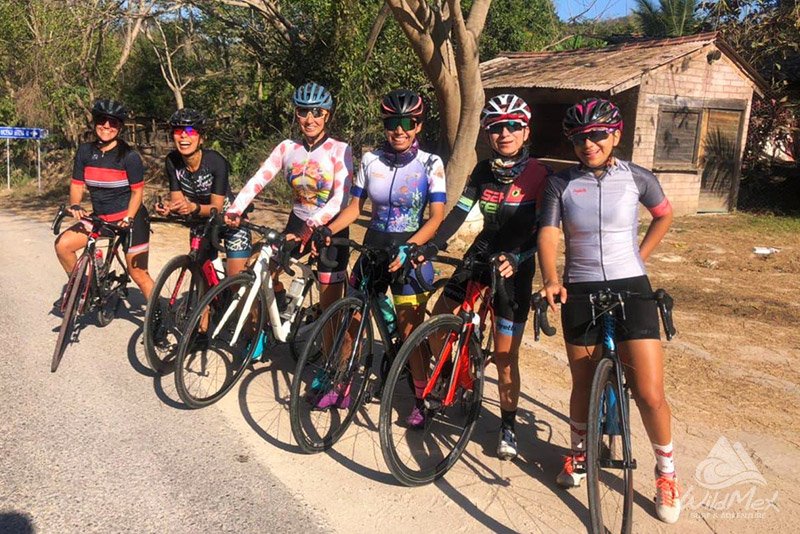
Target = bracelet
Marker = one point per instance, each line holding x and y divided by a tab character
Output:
196	210
76	207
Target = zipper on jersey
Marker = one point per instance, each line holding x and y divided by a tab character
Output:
391	188
600	225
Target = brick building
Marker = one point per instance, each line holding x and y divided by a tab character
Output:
685	102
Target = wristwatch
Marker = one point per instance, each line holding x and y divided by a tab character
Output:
126	220
196	210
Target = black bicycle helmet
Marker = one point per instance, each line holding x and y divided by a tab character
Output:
402	103
591	113
188	117
109	108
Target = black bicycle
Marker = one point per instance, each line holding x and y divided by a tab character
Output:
95	283
330	381
609	457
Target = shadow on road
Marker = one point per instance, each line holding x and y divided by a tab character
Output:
16	523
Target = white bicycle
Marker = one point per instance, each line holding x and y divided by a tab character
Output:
238	321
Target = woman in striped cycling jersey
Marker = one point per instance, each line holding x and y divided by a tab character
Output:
401	180
602	252
114	175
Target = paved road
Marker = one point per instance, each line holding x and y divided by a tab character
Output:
93	447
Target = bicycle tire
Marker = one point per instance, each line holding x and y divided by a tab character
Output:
231	359
77	285
604	488
111	287
316	429
159	331
420	445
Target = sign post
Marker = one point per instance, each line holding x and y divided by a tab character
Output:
12	132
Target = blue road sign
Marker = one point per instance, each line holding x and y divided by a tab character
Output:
12	132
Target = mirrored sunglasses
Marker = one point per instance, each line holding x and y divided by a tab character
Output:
188	130
406	123
594	136
511	126
110	121
303	112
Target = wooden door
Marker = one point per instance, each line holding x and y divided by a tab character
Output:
718	157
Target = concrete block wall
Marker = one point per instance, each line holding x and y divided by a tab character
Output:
697	80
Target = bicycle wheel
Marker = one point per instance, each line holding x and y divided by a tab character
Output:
77	292
609	473
331	376
111	285
176	292
306	316
211	356
417	455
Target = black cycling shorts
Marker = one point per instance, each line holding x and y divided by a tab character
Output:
339	253
641	316
519	288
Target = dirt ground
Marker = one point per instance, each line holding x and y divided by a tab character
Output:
731	372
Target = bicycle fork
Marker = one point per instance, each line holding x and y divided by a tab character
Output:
617	421
460	370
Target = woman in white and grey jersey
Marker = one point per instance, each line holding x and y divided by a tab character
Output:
597	205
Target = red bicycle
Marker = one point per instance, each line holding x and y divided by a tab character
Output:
454	353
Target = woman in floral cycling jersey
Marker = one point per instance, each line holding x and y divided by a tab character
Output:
597	203
401	180
319	170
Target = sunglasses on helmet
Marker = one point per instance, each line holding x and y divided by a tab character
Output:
594	136
406	123
188	130
303	112
512	127
112	122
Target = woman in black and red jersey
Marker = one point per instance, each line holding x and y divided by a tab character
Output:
114	174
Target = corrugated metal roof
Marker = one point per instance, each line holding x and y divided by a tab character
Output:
590	69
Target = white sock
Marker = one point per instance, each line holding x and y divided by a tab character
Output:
665	463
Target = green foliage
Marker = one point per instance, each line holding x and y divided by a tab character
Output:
670	18
518	25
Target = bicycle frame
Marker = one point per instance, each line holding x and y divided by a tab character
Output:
262	274
92	287
460	375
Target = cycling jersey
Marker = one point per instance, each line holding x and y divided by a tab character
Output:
109	177
600	218
319	178
211	177
399	193
509	210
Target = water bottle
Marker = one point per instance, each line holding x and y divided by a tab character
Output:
387	310
98	260
294	295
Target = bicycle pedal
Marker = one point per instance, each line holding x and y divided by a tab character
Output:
432	404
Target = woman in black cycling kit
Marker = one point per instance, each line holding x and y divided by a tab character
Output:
508	188
198	183
602	252
114	175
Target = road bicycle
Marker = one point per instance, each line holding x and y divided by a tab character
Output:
229	324
609	457
179	287
454	351
330	382
95	283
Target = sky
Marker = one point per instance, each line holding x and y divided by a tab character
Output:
596	8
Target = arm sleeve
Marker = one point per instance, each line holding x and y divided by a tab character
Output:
135	170
172	175
342	177
650	192
459	213
264	175
78	166
437	186
551	201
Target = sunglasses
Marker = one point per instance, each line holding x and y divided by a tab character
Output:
498	127
406	123
303	112
188	130
111	121
594	136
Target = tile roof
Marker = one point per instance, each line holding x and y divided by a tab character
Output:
622	64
